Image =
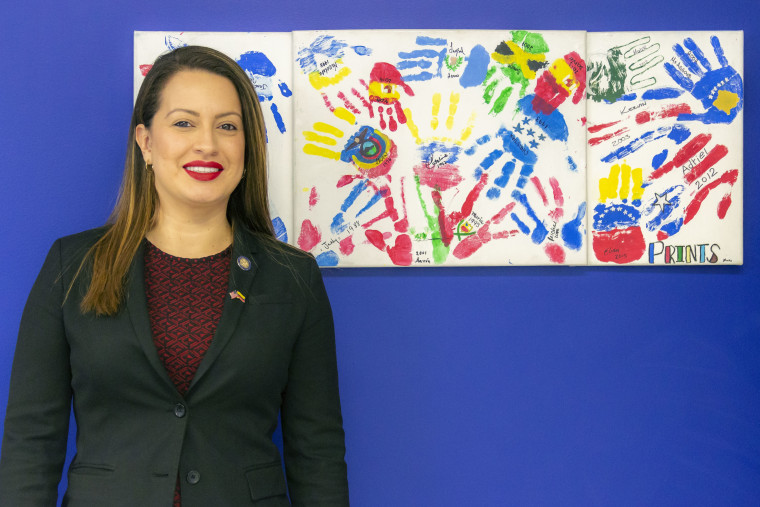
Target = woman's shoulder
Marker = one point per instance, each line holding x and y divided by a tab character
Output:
80	242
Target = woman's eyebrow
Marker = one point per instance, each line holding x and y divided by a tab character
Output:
195	113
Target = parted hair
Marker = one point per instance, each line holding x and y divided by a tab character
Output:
134	214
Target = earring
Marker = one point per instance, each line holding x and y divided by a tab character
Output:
149	167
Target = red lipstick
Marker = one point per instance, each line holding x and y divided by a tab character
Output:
203	170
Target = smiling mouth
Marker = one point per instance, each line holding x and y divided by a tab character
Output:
202	170
198	169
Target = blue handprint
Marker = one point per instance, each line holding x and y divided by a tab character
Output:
517	152
261	71
432	53
720	90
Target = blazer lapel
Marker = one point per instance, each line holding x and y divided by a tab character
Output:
243	269
137	307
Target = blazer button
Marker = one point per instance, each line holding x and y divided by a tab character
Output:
193	477
180	410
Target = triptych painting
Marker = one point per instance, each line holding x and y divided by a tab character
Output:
475	148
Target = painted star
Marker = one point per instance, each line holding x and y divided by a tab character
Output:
541	137
518	128
533	144
661	200
526	121
530	132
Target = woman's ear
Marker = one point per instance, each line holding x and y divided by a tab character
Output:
142	136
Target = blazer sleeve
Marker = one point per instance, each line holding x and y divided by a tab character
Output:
312	425
39	402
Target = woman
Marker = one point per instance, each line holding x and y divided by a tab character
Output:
182	329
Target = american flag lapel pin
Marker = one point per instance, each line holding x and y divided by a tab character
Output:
236	294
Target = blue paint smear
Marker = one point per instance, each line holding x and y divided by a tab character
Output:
421	53
629	97
715	42
277	117
613	216
540	232
636	144
680	133
523	228
571	163
280	231
284	90
662	93
411	64
490	159
682	81
477	66
513	145
372	202
692	46
328	259
526	171
673	227
493	193
325	45
658	159
422	76
430	41
436	147
674	196
338	225
355	192
257	63
506	173
571	231
693	68
553	125
478	142
362	50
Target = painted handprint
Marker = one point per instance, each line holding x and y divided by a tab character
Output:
623	69
680	203
372	154
432	54
262	74
549	232
385	86
617	235
322	61
515	65
438	170
566	76
720	90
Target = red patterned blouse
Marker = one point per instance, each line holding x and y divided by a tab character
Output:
185	299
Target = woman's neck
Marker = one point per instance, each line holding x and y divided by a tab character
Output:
191	237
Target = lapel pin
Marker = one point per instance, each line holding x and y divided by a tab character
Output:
244	263
236	294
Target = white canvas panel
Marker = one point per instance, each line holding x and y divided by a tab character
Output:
440	148
665	140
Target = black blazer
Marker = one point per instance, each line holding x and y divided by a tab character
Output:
272	355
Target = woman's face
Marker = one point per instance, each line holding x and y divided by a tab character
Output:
195	143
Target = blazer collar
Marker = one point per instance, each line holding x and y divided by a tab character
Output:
243	268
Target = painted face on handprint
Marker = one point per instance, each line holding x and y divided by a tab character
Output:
385	87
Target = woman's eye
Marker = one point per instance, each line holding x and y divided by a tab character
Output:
182	123
228	126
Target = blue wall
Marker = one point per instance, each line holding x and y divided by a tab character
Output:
476	386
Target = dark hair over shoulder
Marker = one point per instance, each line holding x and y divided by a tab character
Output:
134	213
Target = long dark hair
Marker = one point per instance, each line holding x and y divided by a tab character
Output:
135	211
